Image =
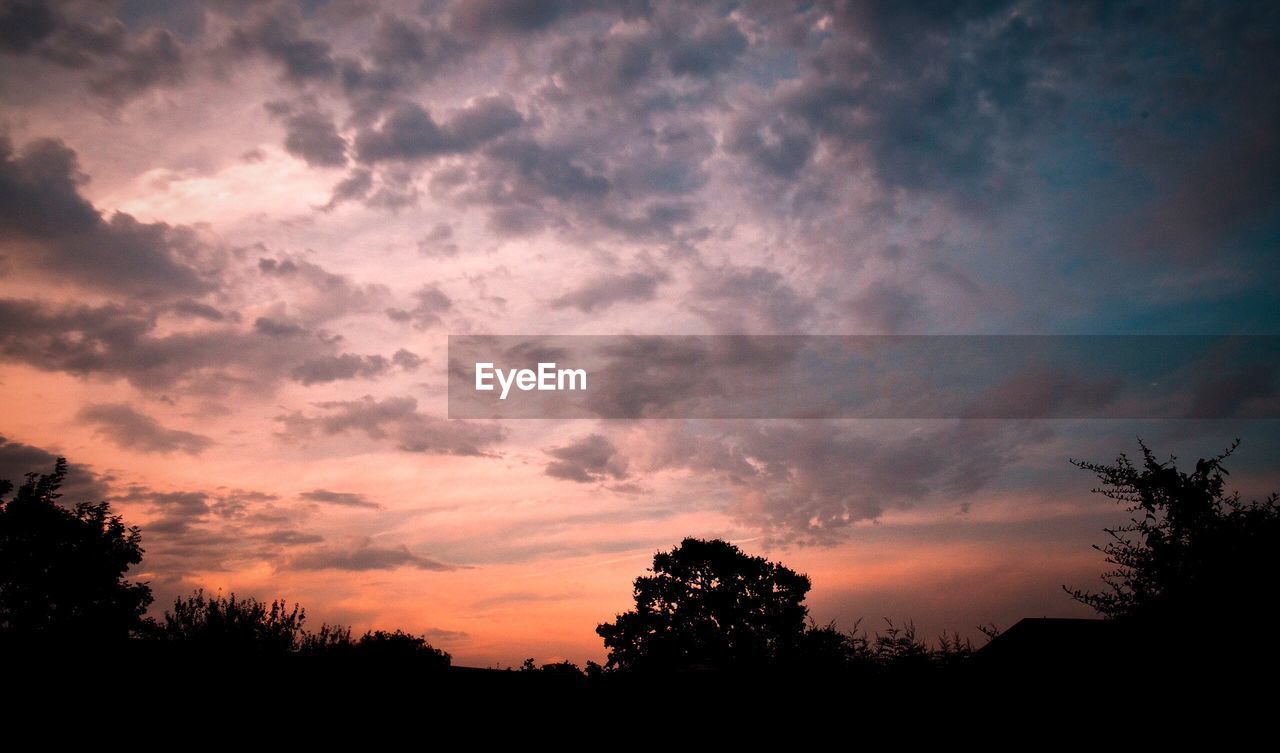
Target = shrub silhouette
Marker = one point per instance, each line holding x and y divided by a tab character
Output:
707	604
232	625
62	569
226	623
398	645
1191	552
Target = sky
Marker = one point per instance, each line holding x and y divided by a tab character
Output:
235	236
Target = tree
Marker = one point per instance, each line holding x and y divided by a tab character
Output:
707	604
229	624
1191	553
62	569
399	646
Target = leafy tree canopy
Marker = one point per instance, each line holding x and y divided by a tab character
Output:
707	604
1191	552
62	568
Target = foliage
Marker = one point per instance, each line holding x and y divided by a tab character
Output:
228	624
401	646
707	604
62	569
1190	551
233	624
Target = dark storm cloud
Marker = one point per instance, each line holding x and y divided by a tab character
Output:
156	58
395	420
26	23
55	229
125	426
363	556
18	459
409	132
604	291
117	65
591	458
930	96
311	135
341	499
400	43
122	341
273	31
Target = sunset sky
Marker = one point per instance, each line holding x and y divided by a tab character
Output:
234	237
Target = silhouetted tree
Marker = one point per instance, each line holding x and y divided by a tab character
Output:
401	646
826	648
62	569
232	625
1191	552
707	604
226	623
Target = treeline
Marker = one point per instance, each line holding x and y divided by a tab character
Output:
1191	556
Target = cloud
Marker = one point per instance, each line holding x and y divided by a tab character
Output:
204	530
81	484
351	366
749	300
810	481
318	294
484	17
606	290
274	33
276	328
123	425
123	342
394	419
446	637
409	132
438	242
363	556
887	307
341	499
117	65
713	48
311	135
335	368
426	313
586	460
26	24
59	233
